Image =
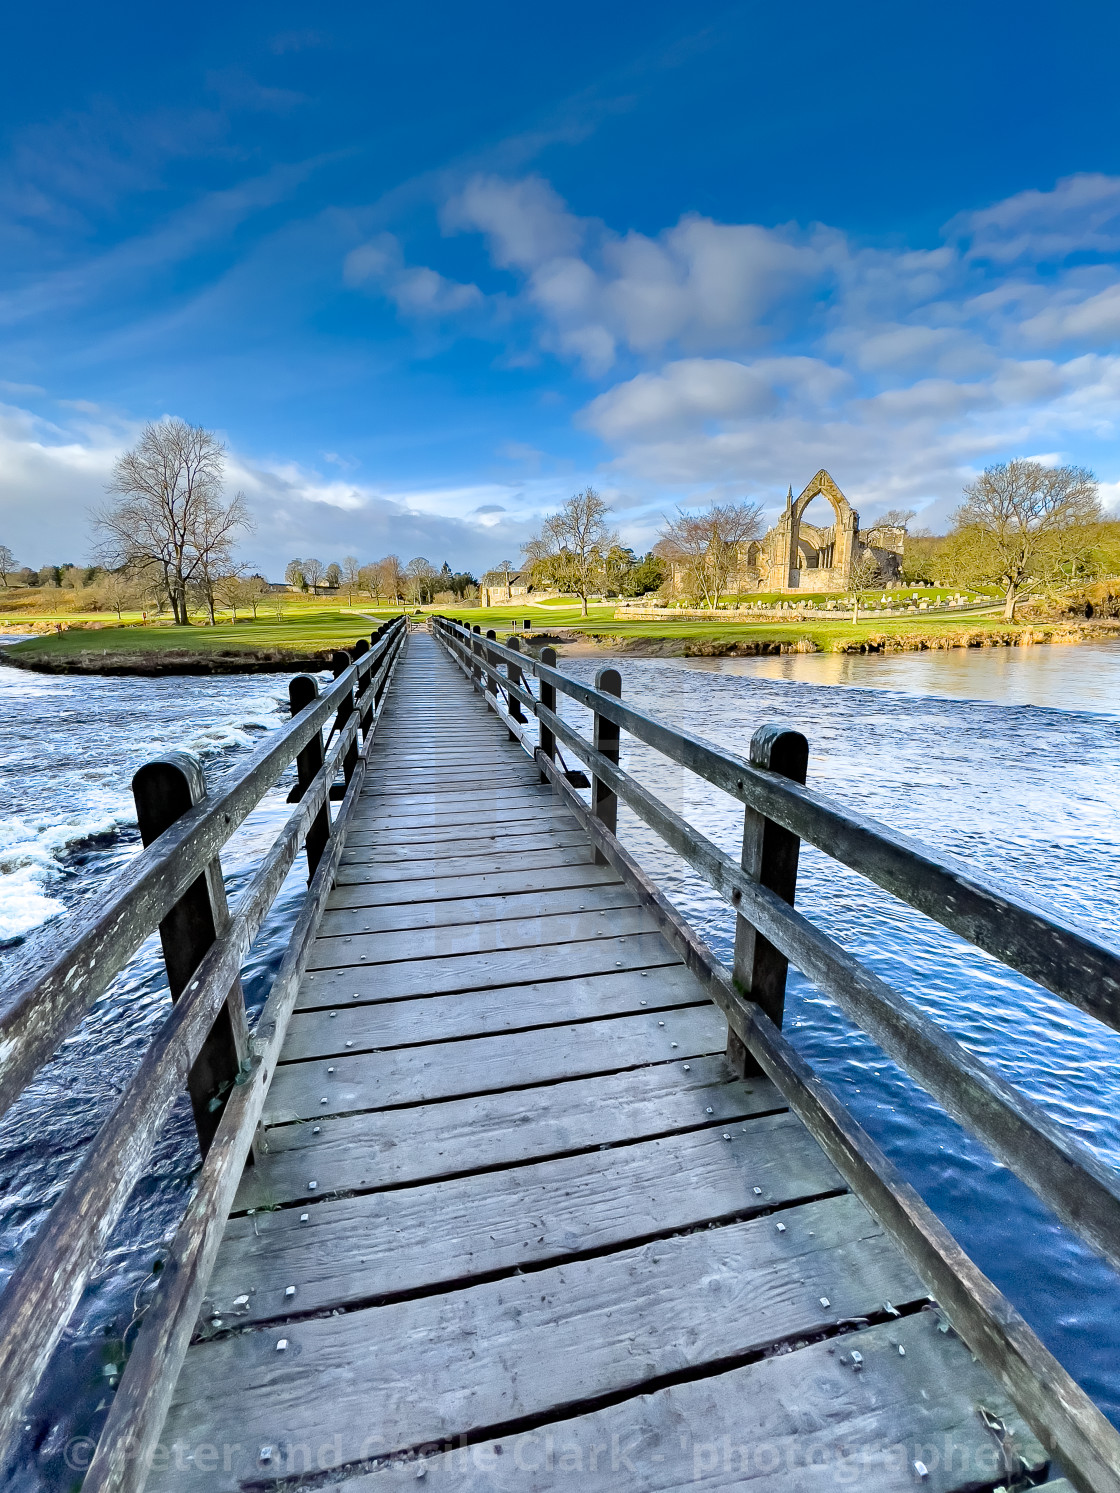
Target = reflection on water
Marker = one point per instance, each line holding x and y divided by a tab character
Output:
979	753
966	752
1081	677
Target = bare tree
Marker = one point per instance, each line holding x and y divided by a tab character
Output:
313	572
707	545
256	589
115	591
866	572
173	518
1024	524
506	568
570	549
422	578
333	576
293	574
232	591
392	577
7	564
351	576
895	518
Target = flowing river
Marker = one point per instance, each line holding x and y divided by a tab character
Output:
1009	759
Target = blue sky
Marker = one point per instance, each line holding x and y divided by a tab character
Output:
428	269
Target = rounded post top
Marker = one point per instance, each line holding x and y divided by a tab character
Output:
609	681
340	662
491	634
780	750
301	691
514	643
548	657
163	791
360	647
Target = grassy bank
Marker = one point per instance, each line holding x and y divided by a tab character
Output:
307	633
736	634
302	639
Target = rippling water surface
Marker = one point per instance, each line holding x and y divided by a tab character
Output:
1009	759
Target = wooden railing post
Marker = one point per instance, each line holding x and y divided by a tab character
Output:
769	857
476	649
515	677
491	679
303	690
163	791
340	662
548	700
361	648
604	800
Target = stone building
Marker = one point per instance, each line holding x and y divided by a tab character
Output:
796	556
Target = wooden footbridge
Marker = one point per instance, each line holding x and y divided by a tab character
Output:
512	1184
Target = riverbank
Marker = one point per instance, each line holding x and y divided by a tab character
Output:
305	642
286	646
835	637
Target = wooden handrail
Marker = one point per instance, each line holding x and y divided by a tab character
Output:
1065	959
46	1286
44	1005
1068	1177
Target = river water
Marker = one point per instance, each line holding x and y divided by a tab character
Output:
1009	759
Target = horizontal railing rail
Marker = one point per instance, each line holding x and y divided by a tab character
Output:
1067	960
778	813
175	884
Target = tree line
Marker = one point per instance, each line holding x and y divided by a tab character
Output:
1023	527
167	541
385	580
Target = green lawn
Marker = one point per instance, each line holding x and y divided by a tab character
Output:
824	632
302	631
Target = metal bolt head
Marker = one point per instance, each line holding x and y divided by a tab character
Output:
311	1186
289	1290
825	1301
781	1228
757	1191
282	1345
266	1454
304	1217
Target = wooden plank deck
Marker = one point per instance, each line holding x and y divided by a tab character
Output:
515	1224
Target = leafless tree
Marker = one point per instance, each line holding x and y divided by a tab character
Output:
895	518
506	568
351	576
570	549
707	545
866	572
313	572
115	591
392	577
256	589
173	517
293	574
7	564
1024	524
422	578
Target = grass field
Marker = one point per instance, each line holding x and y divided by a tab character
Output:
303	631
312	626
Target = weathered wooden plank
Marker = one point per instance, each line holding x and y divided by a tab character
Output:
424	913
393	1148
543	881
1064	958
435	825
1058	1410
539	932
460	846
787	1424
327	987
482	1013
362	1249
413	1372
544	854
389	806
446	1070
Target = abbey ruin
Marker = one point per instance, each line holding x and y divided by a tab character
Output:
799	556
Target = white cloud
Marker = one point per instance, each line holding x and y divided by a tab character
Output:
415	290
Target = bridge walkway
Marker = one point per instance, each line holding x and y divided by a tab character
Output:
515	1223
